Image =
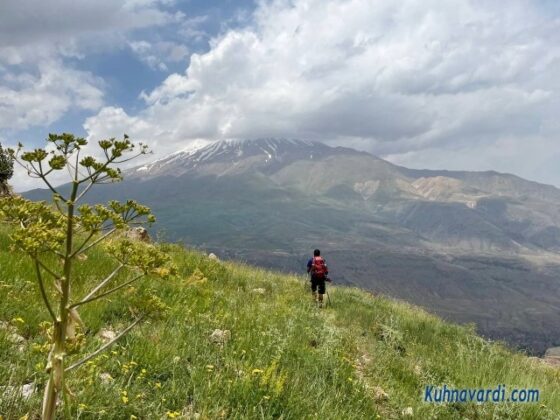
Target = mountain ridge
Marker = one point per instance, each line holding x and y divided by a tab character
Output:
267	148
272	143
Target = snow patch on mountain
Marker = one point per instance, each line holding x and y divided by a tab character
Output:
270	148
185	152
237	155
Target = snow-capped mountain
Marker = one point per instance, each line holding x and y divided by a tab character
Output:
178	155
235	156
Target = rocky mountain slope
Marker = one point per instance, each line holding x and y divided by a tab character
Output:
479	247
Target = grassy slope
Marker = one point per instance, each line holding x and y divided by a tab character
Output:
285	359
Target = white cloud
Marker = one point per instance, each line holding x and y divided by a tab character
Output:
27	99
157	54
112	121
34	22
37	84
411	78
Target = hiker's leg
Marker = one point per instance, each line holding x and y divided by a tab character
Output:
314	288
322	289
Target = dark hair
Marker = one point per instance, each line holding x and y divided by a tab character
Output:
316	253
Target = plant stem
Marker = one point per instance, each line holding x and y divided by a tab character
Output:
55	384
43	291
108	292
103	347
103	283
101	238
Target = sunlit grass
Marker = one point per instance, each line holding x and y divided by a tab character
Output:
285	358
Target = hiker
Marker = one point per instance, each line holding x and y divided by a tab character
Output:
318	270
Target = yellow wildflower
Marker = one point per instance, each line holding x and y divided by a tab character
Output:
162	271
257	371
270	371
158	385
279	384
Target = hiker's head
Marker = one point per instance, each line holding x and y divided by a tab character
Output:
316	253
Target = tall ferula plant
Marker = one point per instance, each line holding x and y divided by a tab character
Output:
66	230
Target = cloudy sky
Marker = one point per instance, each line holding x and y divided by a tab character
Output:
460	84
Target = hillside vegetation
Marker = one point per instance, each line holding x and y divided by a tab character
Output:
360	357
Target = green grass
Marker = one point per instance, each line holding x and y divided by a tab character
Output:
285	359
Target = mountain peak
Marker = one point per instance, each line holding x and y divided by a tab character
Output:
270	148
259	152
269	141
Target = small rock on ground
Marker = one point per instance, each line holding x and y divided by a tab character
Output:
105	378
408	412
15	338
220	336
379	394
25	391
106	335
12	335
